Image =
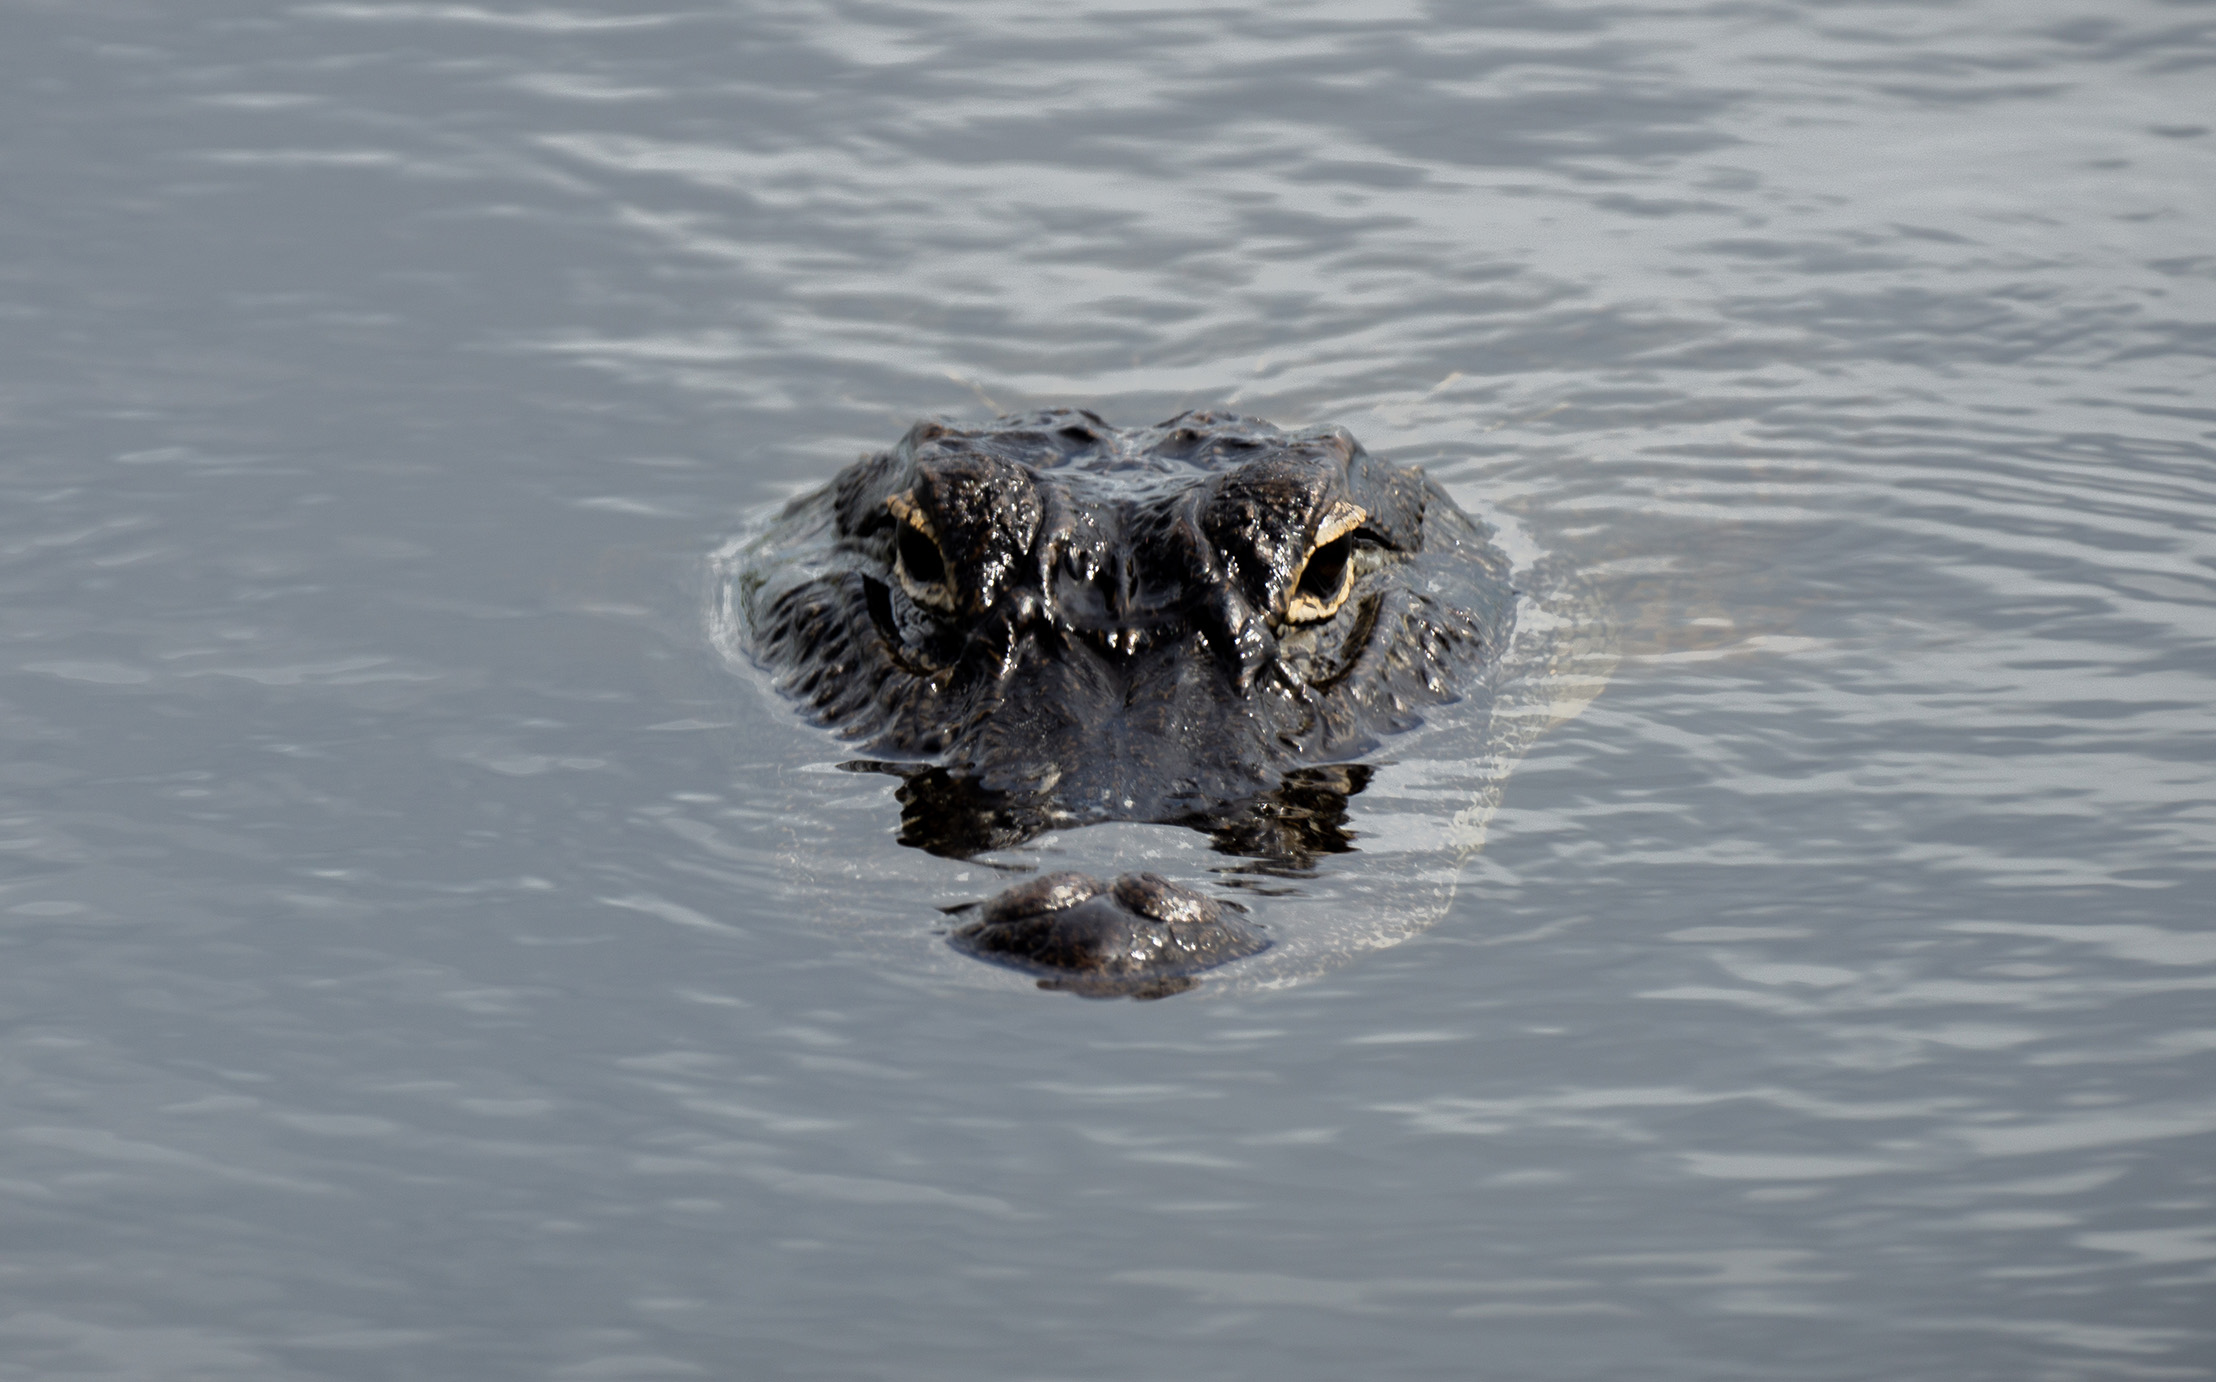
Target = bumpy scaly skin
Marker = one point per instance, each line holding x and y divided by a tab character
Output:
1049	621
1139	937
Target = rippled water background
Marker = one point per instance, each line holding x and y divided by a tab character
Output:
398	975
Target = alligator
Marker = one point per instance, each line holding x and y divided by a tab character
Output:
1047	622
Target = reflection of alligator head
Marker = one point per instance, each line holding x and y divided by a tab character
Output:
1048	622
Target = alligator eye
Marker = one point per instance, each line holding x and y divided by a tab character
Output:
917	557
1327	573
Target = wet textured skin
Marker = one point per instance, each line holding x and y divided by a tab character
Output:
1141	936
1047	621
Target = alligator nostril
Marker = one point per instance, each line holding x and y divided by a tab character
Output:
1106	939
1119	642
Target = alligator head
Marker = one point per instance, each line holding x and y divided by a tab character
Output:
1047	622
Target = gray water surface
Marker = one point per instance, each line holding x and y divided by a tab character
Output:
402	970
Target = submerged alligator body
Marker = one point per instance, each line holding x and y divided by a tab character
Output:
1047	622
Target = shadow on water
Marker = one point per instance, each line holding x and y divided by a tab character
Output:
1283	832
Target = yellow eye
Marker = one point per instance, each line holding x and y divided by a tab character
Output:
1326	574
918	559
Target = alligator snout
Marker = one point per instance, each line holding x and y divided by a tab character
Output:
1141	936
